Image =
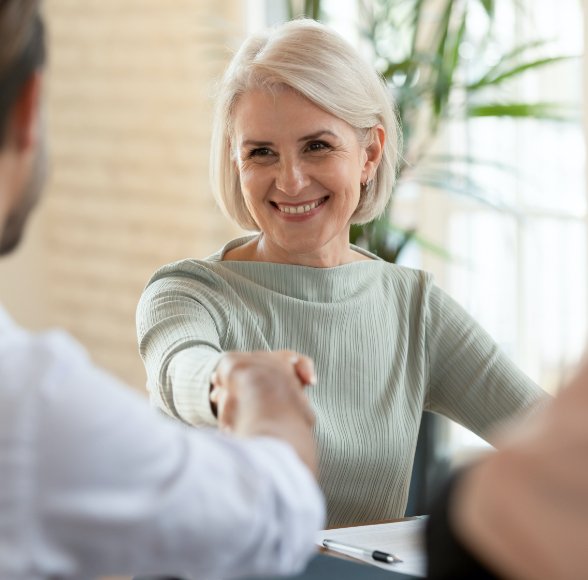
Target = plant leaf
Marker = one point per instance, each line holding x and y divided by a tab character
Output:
312	8
469	160
489	7
453	182
521	48
542	111
490	80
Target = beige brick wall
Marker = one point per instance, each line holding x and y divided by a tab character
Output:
129	118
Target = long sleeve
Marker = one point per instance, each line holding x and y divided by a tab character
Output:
95	482
179	340
470	379
447	557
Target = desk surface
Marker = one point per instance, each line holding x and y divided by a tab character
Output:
324	567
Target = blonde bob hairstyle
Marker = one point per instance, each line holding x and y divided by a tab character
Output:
315	61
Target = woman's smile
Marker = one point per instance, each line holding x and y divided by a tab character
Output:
299	210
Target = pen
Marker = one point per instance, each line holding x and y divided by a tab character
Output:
348	550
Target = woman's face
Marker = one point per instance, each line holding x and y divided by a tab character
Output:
300	170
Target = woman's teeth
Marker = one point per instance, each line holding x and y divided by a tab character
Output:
299	209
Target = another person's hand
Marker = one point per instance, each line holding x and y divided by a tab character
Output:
524	510
286	360
261	393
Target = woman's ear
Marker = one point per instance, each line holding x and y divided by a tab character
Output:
374	151
24	125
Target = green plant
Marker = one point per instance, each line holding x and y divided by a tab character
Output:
417	44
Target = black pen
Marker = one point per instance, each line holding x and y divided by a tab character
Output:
348	550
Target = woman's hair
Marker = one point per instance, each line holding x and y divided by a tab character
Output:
316	62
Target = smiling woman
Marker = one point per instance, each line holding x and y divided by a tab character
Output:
300	172
312	61
305	144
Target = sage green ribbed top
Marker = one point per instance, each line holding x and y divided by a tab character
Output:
386	342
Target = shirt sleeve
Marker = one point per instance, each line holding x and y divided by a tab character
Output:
181	320
447	557
112	487
471	380
522	510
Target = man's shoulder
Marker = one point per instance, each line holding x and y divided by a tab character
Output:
30	357
52	369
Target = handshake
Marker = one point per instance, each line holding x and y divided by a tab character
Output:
263	394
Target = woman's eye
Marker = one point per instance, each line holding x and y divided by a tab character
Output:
317	146
260	152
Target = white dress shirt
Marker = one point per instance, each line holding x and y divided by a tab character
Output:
93	481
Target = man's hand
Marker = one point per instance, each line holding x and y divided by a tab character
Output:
524	509
261	393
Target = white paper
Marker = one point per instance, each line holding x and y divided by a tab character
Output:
403	539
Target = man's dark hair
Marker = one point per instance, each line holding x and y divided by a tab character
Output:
22	51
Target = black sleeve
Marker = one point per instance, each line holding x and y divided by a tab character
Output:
448	558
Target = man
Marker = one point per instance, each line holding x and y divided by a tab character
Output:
522	512
93	481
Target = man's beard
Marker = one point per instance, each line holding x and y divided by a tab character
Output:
16	221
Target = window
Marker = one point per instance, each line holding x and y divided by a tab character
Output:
520	270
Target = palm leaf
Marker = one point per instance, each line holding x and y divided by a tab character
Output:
468	160
542	111
290	10
489	7
452	60
458	184
522	48
416	21
435	248
312	8
495	78
395	240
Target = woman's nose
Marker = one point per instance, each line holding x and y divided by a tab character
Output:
292	177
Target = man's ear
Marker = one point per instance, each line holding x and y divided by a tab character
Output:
24	121
374	152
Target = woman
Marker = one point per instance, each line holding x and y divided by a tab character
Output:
305	144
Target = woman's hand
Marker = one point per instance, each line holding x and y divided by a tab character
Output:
302	365
283	361
261	393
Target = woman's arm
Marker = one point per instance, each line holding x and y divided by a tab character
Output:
181	321
471	380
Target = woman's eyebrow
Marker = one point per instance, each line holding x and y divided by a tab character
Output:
317	134
253	143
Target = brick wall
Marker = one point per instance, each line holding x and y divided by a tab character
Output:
129	117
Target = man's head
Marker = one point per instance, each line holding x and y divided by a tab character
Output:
22	145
